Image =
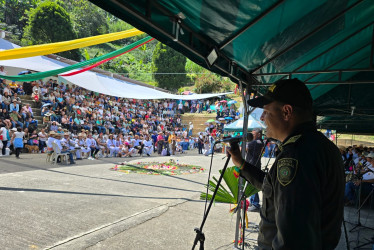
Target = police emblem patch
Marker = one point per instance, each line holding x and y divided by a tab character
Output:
272	87
286	170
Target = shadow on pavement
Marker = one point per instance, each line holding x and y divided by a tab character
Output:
107	179
93	194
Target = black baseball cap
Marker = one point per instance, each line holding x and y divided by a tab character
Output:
288	91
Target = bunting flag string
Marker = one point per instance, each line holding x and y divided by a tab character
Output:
41	75
104	61
50	48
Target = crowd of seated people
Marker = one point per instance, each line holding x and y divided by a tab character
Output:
13	112
98	124
359	167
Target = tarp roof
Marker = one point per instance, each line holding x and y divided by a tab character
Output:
94	81
326	43
253	122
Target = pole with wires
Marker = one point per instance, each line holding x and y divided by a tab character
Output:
240	188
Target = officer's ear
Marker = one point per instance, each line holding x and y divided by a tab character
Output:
287	111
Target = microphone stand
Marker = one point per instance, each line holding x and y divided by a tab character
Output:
200	237
361	205
243	197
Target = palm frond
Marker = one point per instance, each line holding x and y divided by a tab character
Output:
229	194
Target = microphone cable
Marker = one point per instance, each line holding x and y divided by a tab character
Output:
207	185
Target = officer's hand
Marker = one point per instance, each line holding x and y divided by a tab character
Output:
357	183
235	153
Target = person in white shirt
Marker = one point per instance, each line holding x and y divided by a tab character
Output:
366	181
102	143
42	139
190	129
82	147
68	143
63	149
2	71
3	138
112	145
91	143
138	145
51	138
148	145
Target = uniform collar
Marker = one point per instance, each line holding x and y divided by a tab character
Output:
297	133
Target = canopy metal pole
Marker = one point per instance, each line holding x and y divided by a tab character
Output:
333	46
372	50
324	83
317	29
240	188
352	140
249	25
340	60
324	71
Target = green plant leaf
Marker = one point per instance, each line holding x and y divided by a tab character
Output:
229	194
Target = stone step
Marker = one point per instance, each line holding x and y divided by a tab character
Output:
25	97
27	101
197	120
36	111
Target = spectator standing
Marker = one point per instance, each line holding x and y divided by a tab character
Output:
190	129
42	139
17	141
3	138
253	156
200	143
160	142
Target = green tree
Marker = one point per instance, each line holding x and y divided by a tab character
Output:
88	19
49	23
167	60
13	11
208	83
13	17
194	70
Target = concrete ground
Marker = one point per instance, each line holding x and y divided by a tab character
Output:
88	206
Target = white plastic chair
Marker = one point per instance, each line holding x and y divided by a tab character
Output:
49	156
57	153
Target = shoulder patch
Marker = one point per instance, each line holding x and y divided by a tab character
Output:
286	170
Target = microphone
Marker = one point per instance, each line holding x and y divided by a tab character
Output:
231	140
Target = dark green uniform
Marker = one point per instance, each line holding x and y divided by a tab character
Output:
303	193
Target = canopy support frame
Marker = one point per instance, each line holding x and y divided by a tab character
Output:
250	24
332	47
323	83
325	71
341	60
372	50
317	29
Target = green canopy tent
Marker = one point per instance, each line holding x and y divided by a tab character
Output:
325	43
237	126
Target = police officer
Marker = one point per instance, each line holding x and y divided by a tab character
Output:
303	193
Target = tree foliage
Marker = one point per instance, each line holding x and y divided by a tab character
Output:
209	82
12	12
13	17
167	60
49	23
40	22
87	18
194	70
